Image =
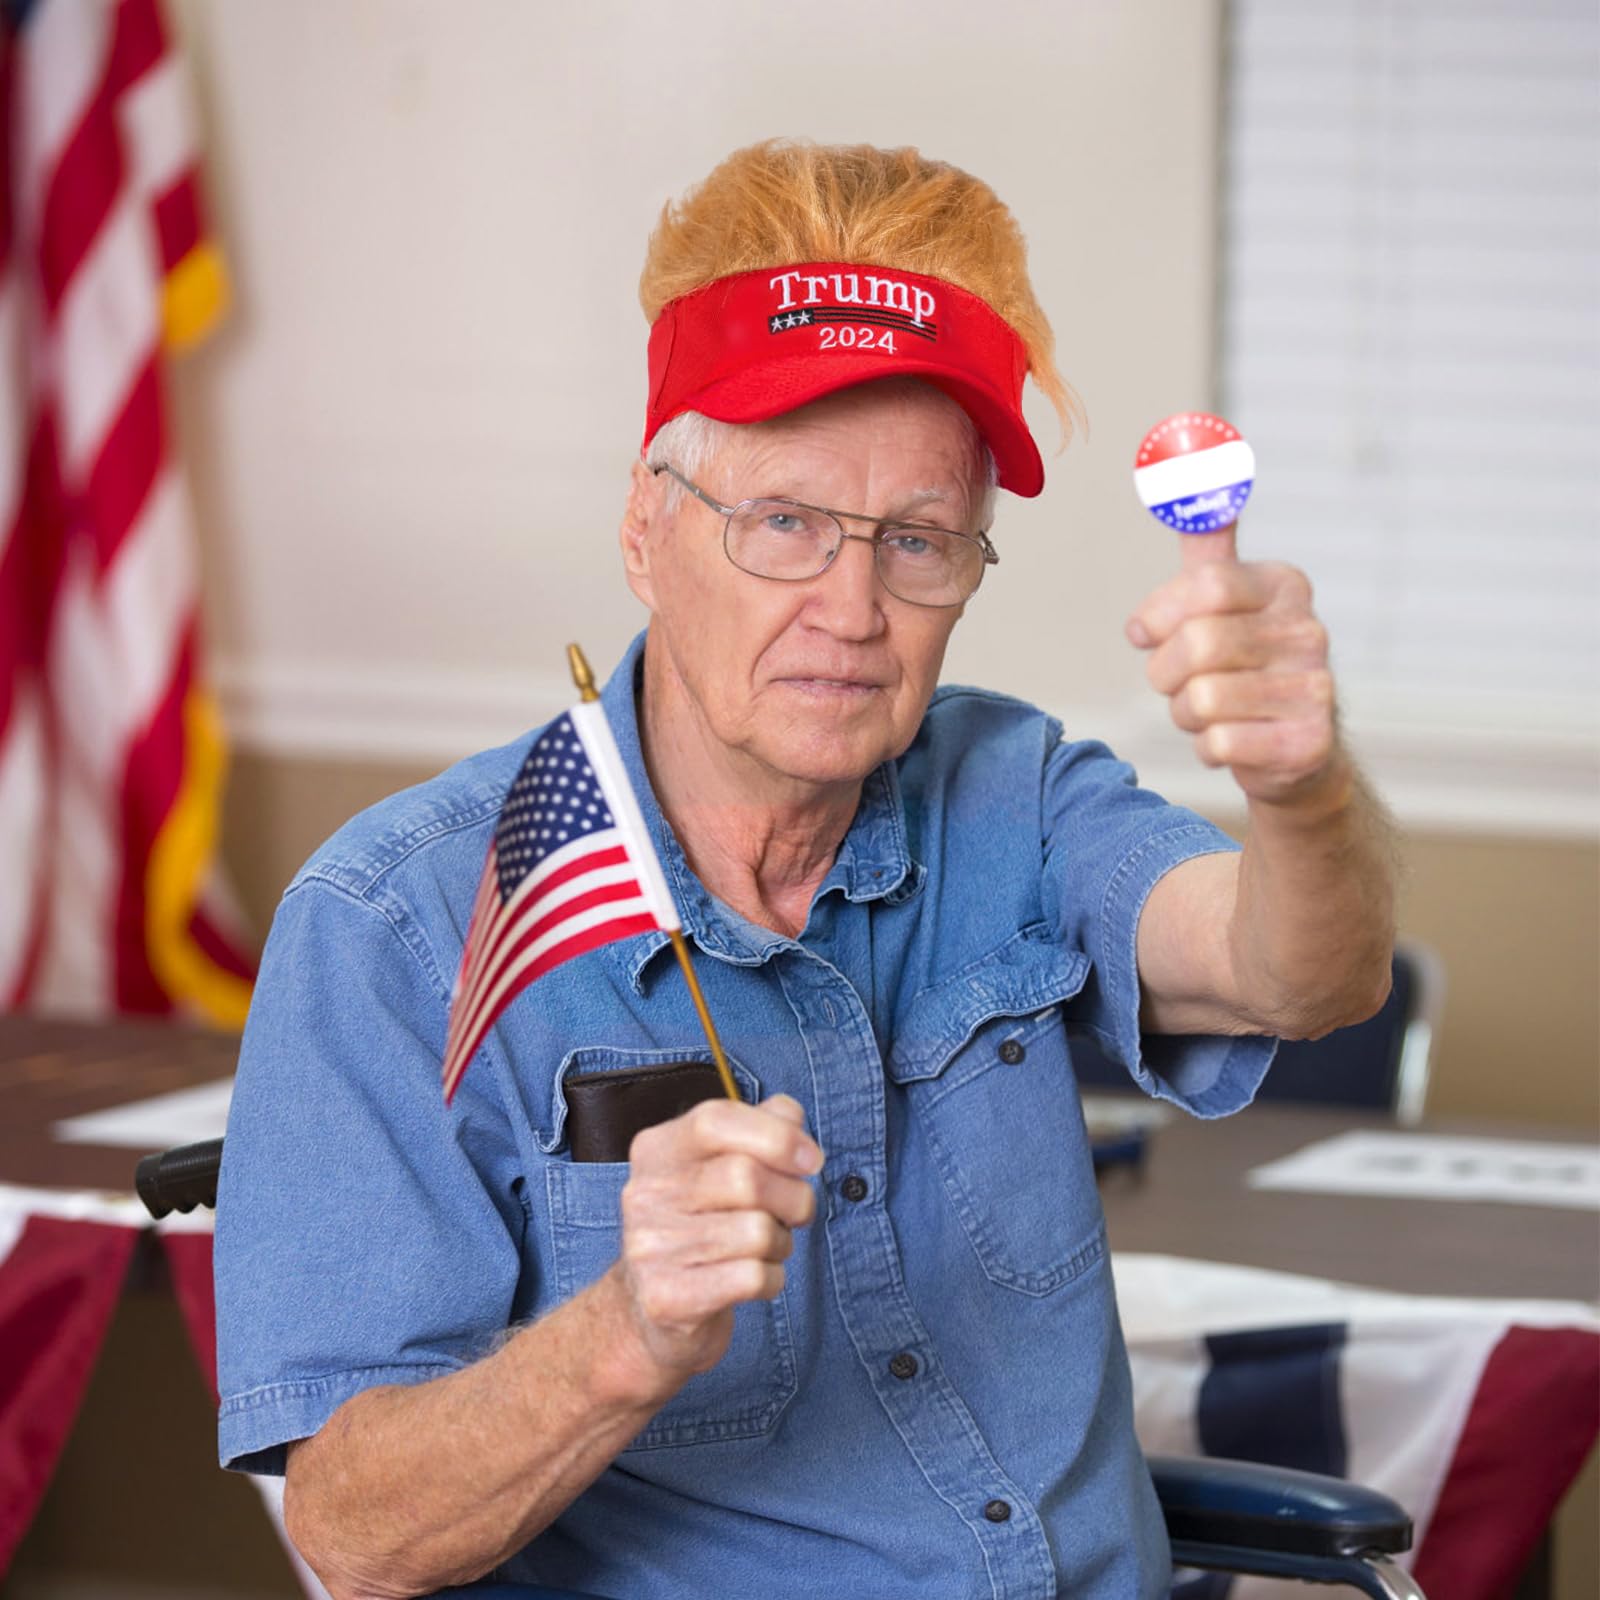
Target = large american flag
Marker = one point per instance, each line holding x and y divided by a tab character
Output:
570	867
111	753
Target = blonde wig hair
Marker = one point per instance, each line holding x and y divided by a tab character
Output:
788	200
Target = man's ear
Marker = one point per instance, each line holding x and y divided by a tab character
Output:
641	518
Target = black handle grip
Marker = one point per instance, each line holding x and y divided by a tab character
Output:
181	1178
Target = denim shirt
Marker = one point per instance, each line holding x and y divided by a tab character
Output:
938	1402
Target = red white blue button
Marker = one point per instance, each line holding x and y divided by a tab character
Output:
1194	472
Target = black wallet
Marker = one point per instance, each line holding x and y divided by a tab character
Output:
606	1109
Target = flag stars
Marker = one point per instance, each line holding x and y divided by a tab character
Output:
555	800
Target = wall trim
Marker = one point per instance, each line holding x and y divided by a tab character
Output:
1532	780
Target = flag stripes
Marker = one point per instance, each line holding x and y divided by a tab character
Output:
570	867
111	759
526	953
579	901
1496	1500
507	925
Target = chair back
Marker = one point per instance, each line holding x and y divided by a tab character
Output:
1381	1064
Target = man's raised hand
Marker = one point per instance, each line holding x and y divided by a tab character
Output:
1243	660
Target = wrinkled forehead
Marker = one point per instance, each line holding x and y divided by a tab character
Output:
901	434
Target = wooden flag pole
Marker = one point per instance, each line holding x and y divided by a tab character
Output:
584	678
681	951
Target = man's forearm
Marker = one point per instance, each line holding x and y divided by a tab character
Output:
408	1489
1312	932
1294	936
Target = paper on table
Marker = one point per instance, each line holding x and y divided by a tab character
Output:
185	1116
1426	1166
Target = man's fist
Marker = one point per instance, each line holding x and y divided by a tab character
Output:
1243	660
707	1219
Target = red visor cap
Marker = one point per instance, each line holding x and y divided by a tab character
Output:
759	344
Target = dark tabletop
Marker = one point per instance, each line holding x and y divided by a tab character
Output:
51	1070
1192	1200
1189	1199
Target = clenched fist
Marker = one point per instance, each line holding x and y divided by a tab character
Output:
708	1215
1240	654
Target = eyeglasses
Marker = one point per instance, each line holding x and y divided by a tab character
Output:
791	541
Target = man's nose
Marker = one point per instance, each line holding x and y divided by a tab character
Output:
848	596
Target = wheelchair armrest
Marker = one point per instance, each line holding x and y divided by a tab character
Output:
180	1179
1244	1505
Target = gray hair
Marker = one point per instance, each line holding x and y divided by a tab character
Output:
691	441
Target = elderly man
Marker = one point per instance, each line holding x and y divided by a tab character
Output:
855	1334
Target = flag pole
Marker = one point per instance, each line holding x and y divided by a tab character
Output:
584	678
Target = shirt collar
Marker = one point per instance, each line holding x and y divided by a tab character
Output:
873	863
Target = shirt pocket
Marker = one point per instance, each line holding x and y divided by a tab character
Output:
746	1392
983	1059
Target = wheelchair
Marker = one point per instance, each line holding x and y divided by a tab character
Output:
1235	1517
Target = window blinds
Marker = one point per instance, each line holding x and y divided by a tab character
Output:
1411	341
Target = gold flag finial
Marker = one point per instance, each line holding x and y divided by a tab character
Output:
581	675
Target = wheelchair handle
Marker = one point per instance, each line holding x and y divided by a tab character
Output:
180	1179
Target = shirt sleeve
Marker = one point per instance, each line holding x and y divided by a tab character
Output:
1107	843
357	1242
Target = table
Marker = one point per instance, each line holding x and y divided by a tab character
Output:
1191	1199
52	1070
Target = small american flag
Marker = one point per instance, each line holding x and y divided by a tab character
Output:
570	867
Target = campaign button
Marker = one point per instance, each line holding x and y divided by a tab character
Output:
1194	472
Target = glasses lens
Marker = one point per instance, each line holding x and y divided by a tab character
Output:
778	539
927	567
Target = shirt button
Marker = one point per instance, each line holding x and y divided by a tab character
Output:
997	1511
854	1187
904	1365
1011	1052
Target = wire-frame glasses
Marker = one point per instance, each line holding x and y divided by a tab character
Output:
791	541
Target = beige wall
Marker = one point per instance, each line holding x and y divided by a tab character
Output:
409	441
409	444
1518	923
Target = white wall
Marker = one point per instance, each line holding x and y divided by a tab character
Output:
409	443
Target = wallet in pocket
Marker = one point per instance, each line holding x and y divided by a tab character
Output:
606	1109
